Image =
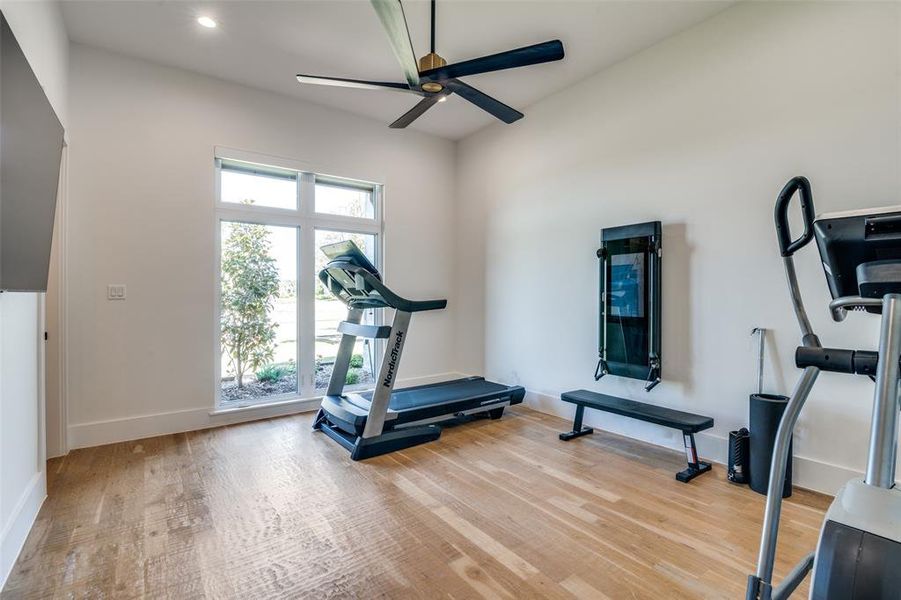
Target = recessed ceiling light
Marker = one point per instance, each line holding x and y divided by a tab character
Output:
442	98
206	22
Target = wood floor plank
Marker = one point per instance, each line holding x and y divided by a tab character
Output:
493	510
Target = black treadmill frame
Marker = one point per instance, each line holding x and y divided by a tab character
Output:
368	427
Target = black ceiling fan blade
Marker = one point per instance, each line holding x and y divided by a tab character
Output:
417	111
511	59
354	83
484	101
391	14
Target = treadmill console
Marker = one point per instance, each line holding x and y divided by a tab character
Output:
353	279
348	251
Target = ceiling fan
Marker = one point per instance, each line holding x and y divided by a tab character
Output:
434	79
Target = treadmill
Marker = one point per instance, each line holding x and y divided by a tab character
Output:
384	420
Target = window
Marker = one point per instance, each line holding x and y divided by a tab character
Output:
345	199
255	186
258	310
277	327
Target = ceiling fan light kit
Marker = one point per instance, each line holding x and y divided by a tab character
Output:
432	78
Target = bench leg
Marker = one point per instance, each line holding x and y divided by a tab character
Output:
578	430
695	465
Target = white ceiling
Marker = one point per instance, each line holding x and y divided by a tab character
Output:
263	44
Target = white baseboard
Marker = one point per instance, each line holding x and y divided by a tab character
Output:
807	472
16	530
98	433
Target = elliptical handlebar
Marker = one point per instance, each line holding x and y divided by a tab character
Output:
787	246
760	586
840	306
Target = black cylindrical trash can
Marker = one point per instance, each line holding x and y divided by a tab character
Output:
766	412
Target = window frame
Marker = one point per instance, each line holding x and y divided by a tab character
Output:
306	221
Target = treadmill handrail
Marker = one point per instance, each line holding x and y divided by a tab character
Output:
383	297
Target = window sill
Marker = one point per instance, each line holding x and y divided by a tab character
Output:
281	405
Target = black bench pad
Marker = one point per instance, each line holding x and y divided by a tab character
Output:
676	419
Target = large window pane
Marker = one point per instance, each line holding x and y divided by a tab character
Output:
265	215
258	312
258	188
344	200
330	312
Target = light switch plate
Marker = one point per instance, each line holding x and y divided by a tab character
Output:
115	291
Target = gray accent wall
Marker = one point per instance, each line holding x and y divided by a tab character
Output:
31	141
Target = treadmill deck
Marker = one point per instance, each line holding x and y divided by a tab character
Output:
441	393
434	402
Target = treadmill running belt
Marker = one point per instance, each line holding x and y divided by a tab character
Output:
406	399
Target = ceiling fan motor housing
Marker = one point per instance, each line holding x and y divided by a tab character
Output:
431	61
427	62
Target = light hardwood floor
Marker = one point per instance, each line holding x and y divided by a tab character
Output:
494	509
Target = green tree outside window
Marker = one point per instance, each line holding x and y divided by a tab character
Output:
250	285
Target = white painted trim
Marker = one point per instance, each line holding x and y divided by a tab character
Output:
55	440
63	317
217	284
821	476
296	403
807	472
41	358
306	289
257	158
21	520
96	433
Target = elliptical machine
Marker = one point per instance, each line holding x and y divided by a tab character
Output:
858	555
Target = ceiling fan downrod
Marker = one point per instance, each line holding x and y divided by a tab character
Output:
431	61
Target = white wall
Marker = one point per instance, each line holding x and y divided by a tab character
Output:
22	470
141	179
700	132
38	27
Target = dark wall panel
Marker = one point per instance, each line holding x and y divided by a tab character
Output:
31	141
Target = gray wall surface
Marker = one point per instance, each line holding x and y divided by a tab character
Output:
31	141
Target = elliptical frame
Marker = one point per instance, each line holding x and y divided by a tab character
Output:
882	454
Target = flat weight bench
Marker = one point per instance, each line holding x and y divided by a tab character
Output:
688	423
